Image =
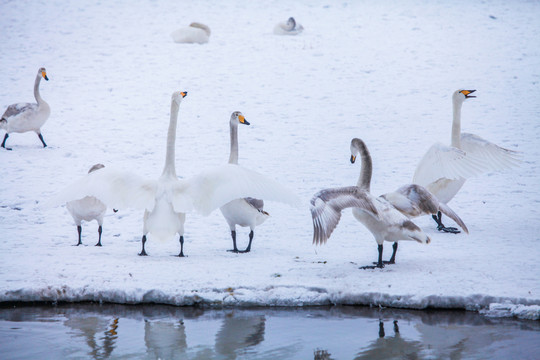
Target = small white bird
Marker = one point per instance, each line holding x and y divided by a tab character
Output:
289	27
375	213
195	33
23	117
167	199
88	208
246	211
444	169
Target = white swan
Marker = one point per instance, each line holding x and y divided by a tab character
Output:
88	208
289	27
375	213
414	200
444	169
194	33
23	117
167	199
246	211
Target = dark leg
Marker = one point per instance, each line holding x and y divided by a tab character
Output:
79	230
440	225
380	263
143	252
393	257
248	249
41	138
99	230
181	247
381	329
4	142
235	249
396	327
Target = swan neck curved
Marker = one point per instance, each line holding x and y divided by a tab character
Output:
456	125
36	89
364	180
169	168
233	157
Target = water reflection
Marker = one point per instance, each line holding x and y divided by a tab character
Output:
166	332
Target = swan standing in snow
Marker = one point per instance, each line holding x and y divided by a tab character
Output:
167	199
289	27
246	211
414	200
194	33
23	117
88	208
375	213
444	169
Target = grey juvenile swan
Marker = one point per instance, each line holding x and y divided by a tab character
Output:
23	117
246	211
375	213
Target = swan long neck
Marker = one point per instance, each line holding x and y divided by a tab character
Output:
364	180
36	89
456	125
233	157
169	168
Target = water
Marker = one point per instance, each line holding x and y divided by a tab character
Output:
93	331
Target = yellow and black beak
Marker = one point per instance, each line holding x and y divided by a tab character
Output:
44	74
242	120
468	93
184	94
353	159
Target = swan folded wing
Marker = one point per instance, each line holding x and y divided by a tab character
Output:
116	189
326	207
17	109
492	156
449	162
215	187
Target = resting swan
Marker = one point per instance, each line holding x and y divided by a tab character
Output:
375	213
195	33
88	208
246	211
444	169
289	27
23	117
167	199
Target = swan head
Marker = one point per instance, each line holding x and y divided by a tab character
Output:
177	96
460	95
237	117
356	145
96	167
43	73
290	24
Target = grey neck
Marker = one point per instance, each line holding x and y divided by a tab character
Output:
233	157
456	125
36	89
364	180
169	168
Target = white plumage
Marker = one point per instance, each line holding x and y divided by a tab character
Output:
289	27
195	33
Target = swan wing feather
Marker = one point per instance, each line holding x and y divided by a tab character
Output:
494	157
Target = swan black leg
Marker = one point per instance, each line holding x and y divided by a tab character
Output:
235	249
381	329
41	138
4	142
379	263
181	247
440	225
99	230
393	257
79	230
248	249
143	252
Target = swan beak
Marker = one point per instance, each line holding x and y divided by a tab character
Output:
184	94
467	93
44	74
243	120
353	159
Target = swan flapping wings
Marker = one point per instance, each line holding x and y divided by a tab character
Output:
326	207
492	156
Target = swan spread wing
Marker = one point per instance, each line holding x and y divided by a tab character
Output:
215	187
116	189
449	162
326	207
17	109
492	156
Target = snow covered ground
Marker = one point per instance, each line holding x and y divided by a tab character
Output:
381	71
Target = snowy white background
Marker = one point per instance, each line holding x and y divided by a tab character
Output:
381	71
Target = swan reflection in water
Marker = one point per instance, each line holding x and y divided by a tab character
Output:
100	334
